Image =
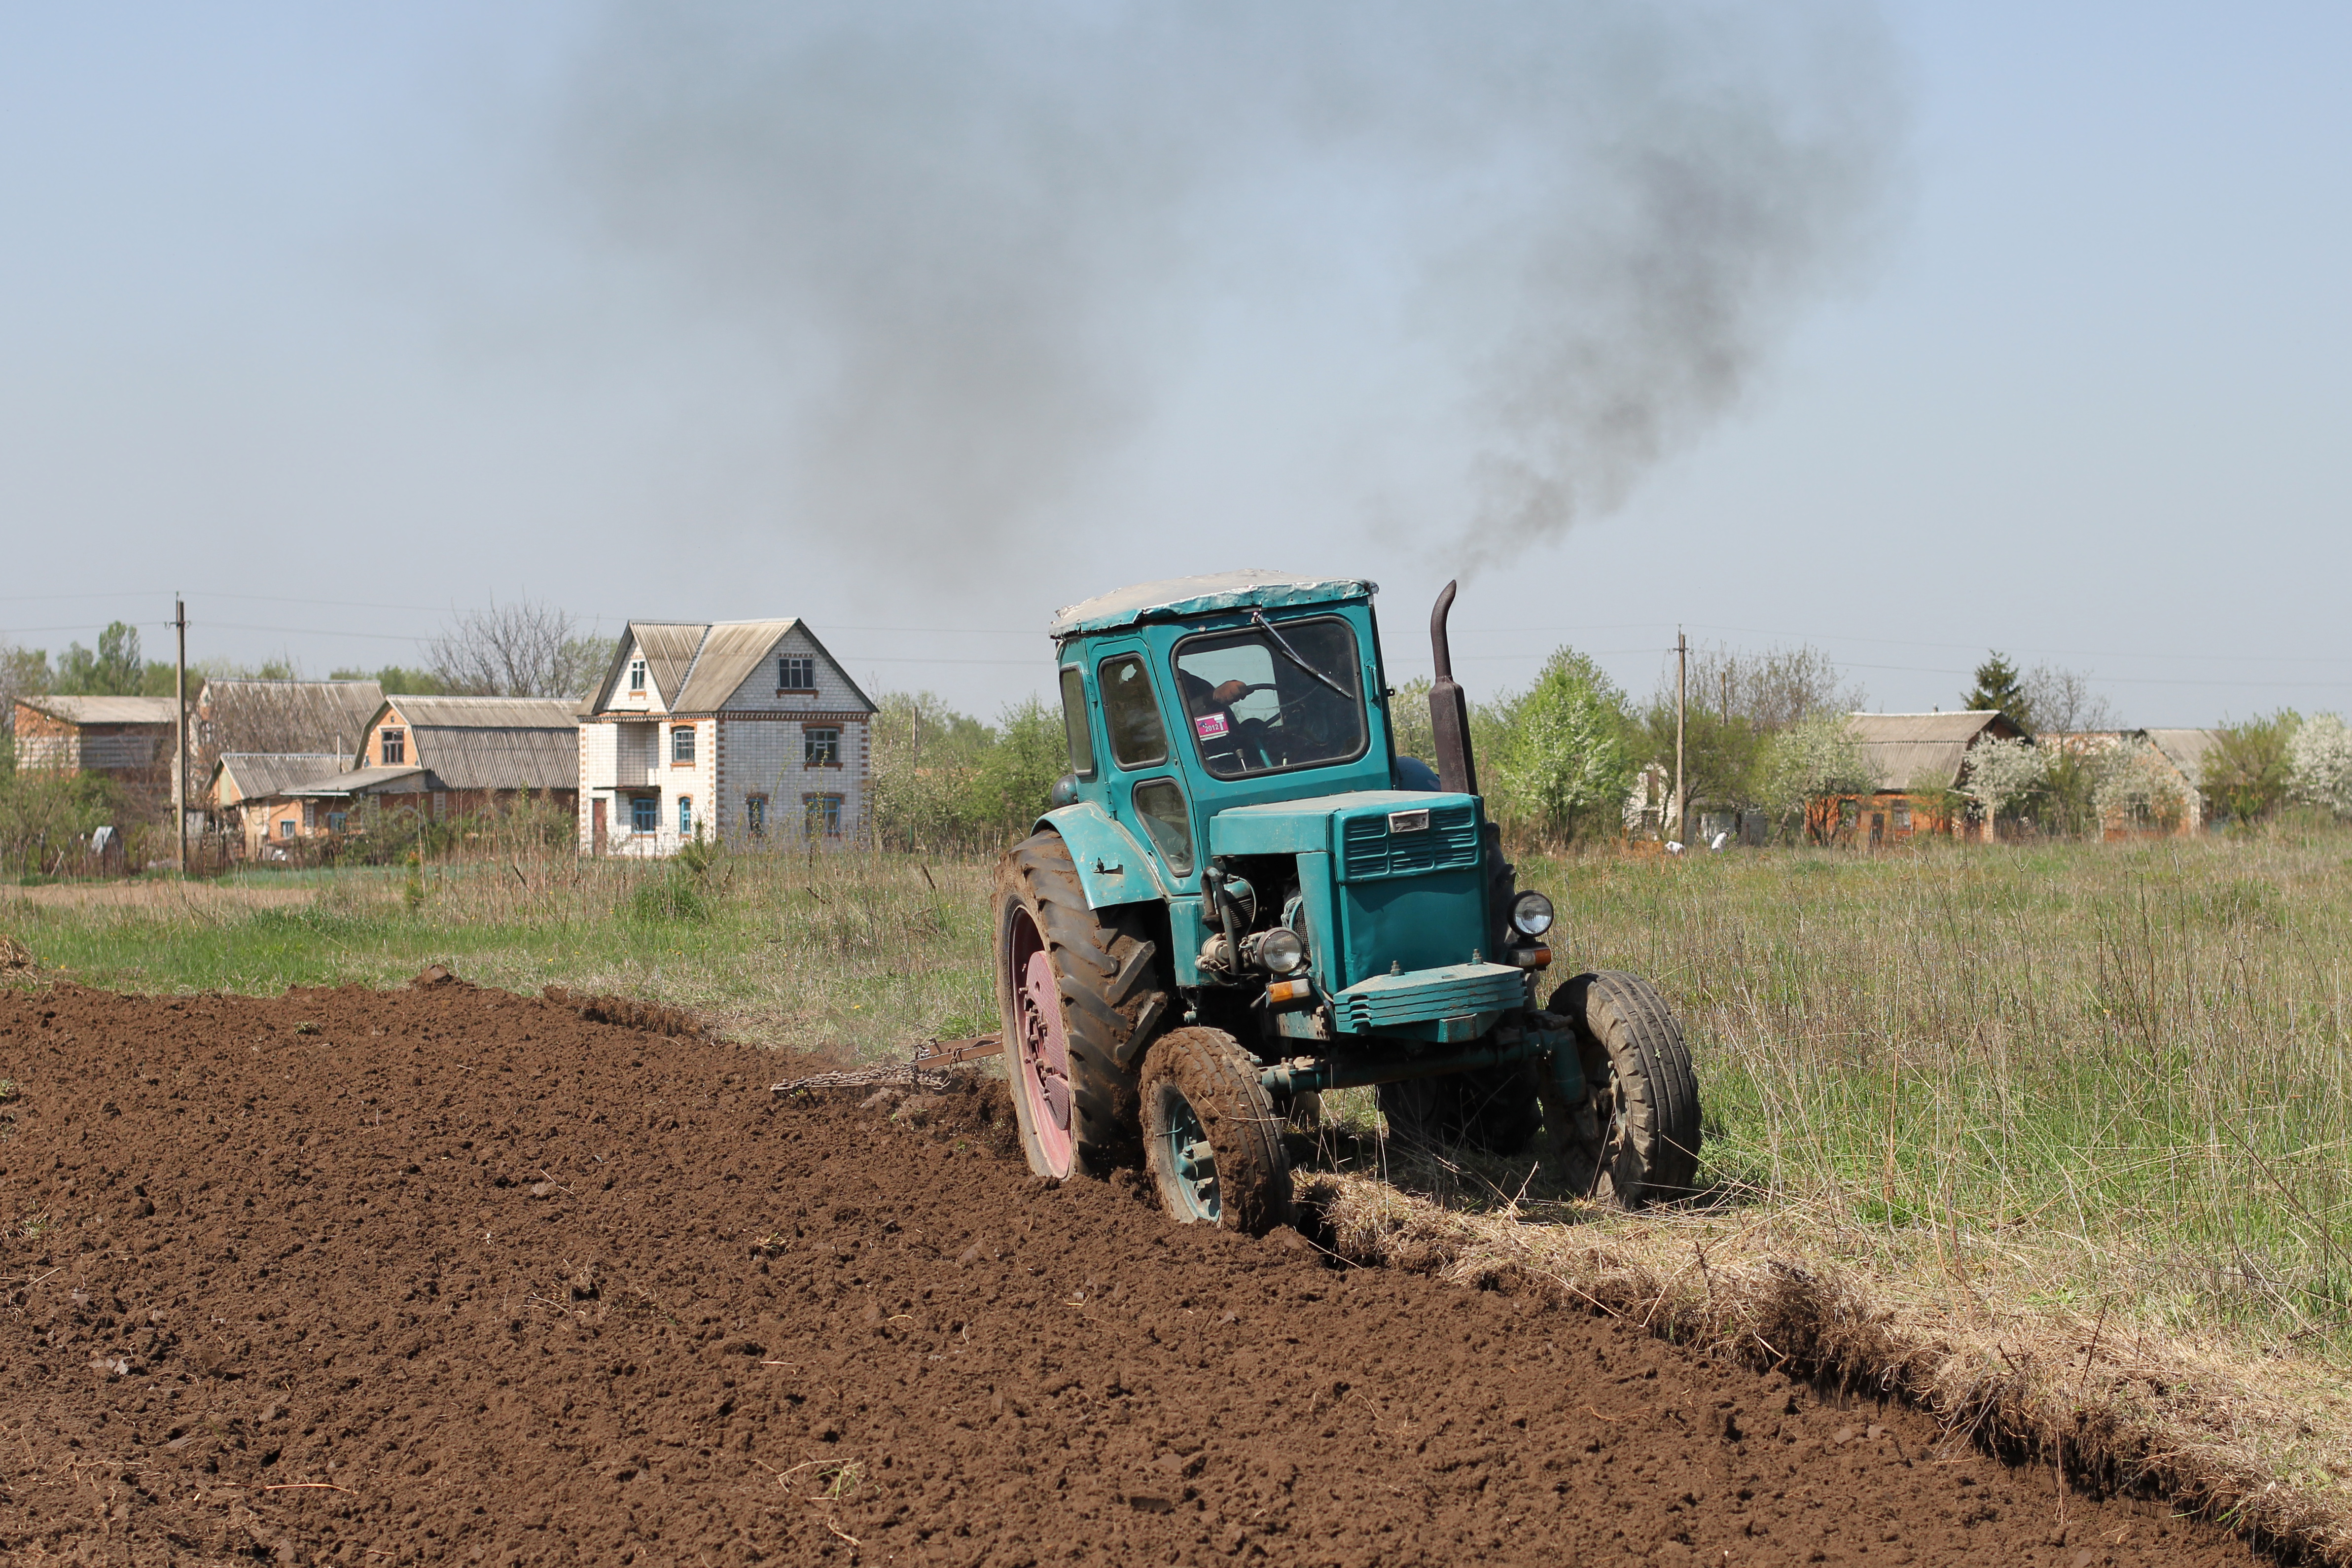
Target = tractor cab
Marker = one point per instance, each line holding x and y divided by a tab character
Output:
1242	896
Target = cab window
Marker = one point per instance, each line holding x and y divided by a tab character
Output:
1159	804
1130	712
1075	724
1275	696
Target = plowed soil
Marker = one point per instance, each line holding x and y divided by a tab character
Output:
452	1276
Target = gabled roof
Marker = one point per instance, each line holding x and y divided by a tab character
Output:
1902	748
718	659
253	775
1176	598
2185	750
490	742
105	709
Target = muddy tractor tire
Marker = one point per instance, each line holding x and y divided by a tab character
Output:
1493	1109
1641	1144
1212	1136
1075	986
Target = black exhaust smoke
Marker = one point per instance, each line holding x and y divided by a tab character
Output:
1449	710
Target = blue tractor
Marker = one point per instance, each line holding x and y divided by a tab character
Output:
1243	897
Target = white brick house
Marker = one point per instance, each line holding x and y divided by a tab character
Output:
747	731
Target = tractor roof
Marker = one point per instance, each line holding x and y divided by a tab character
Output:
1178	599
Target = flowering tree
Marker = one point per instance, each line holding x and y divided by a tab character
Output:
2000	772
1810	765
1564	762
2135	785
2319	760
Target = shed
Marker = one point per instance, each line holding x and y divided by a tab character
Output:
467	753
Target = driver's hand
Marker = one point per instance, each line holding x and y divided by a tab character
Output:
1230	691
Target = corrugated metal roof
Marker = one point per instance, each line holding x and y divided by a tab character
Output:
538	759
1178	597
2184	749
730	650
105	709
286	717
251	775
362	781
669	647
485	713
1906	748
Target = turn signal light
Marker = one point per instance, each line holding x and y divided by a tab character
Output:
1531	957
1289	992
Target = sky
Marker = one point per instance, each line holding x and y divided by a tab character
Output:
1909	332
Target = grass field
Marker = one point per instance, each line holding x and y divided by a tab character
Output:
2031	1098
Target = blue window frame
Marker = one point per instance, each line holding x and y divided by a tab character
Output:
644	813
685	816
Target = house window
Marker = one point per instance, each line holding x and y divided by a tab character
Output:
440	805
685	816
644	813
822	816
395	747
309	816
637	675
335	820
285	828
820	746
755	813
681	743
1903	816
795	675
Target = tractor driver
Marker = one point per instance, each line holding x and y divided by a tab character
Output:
1214	725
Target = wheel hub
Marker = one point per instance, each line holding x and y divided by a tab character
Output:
1044	1060
1194	1161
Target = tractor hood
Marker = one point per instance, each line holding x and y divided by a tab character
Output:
1391	880
1370	835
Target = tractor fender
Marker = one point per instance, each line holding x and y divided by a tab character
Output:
1112	867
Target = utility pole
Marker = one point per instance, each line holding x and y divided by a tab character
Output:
180	700
1682	698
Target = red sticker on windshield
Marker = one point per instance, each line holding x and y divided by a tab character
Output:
1208	726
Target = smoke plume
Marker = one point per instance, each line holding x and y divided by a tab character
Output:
975	246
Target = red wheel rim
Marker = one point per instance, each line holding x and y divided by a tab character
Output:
1042	1053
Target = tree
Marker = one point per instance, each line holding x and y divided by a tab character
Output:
2319	762
2062	700
400	680
2137	788
1810	767
114	671
1999	689
1998	773
2246	772
1563	765
519	650
1416	736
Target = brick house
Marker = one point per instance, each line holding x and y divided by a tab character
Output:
456	756
247	797
127	739
746	731
1919	759
2173	760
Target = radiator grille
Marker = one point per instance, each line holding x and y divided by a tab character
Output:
1370	851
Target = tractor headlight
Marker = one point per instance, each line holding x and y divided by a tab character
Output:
1531	913
1280	951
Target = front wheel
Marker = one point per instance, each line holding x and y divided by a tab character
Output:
1640	1145
1212	1136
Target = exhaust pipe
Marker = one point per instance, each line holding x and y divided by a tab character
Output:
1449	710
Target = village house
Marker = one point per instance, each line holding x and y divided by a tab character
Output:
1920	761
285	718
451	757
127	739
248	797
748	732
2167	799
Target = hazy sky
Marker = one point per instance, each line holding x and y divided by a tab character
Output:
1904	331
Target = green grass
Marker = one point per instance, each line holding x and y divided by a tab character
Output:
2114	1074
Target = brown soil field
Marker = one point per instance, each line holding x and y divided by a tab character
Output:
447	1275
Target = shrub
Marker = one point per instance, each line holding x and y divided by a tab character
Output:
2319	763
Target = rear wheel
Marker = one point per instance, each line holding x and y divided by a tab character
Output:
1074	987
1212	1136
1640	1143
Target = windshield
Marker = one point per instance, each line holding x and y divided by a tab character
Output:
1275	696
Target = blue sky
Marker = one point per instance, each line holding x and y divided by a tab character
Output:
304	313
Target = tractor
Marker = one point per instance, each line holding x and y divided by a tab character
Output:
1243	897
